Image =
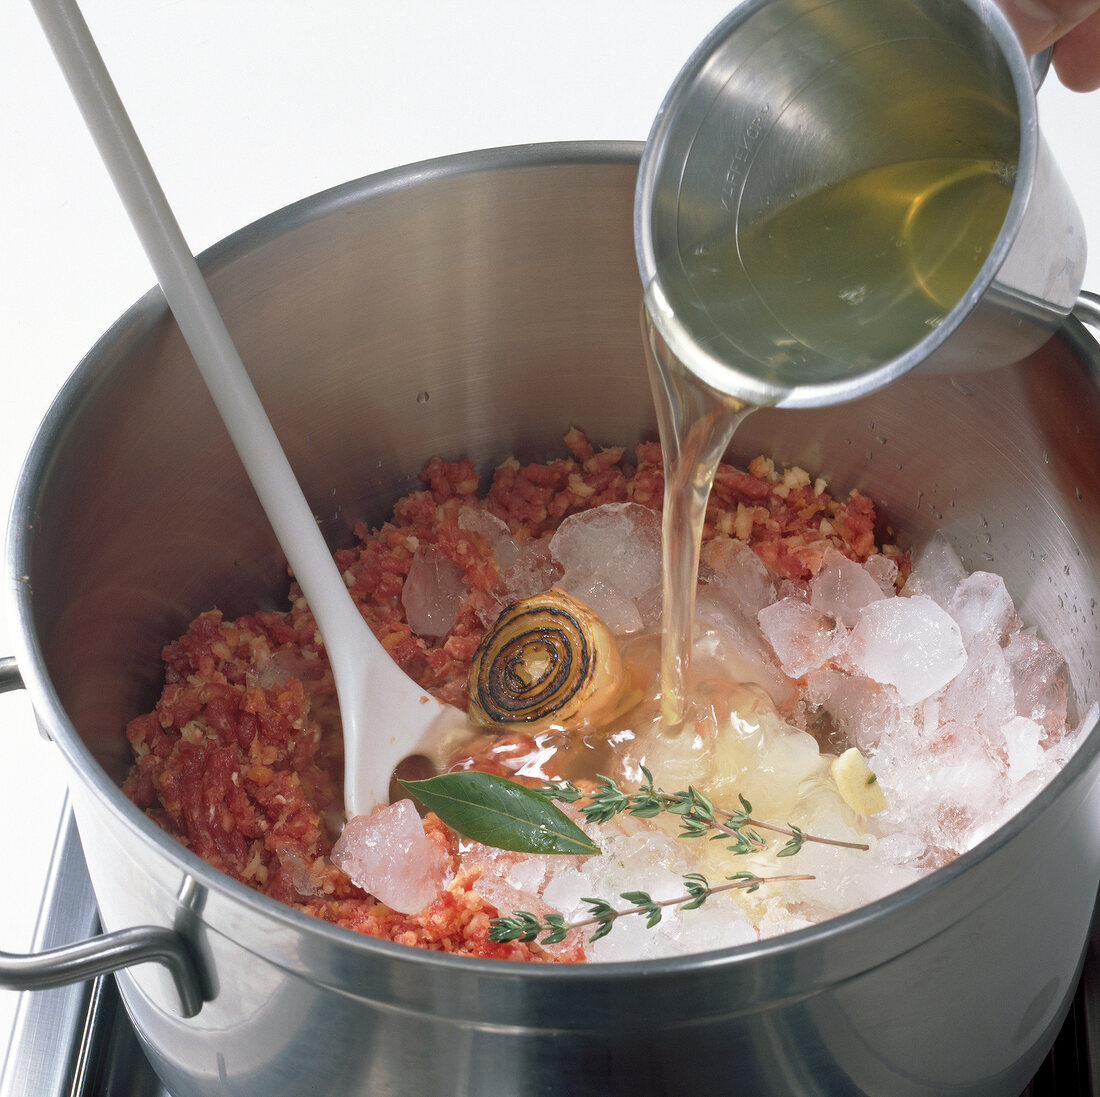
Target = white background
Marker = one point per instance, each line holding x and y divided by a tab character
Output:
247	105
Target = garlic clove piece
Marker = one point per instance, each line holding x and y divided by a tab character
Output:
858	786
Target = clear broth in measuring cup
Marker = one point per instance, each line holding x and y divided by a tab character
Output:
849	275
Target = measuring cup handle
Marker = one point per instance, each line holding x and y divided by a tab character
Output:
1039	66
1087	308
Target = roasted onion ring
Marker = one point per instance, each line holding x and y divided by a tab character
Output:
548	661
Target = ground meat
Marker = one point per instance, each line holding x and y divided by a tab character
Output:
242	760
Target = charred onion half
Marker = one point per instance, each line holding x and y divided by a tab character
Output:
548	661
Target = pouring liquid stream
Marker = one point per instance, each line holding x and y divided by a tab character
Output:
696	425
831	283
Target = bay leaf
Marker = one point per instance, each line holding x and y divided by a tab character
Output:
500	813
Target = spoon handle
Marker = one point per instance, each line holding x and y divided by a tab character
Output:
384	714
196	313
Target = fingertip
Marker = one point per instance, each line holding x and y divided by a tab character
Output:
1035	24
1077	56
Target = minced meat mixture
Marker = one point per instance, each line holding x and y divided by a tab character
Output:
242	759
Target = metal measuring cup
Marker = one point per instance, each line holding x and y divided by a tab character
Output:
788	98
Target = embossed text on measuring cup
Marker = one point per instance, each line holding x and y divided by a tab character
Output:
742	156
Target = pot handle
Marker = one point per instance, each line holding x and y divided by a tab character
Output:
1087	309
9	674
101	955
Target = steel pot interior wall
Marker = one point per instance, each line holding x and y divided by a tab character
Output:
480	306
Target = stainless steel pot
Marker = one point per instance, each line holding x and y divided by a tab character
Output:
481	305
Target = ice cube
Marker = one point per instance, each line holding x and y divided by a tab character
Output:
865	710
911	643
966	773
618	543
980	603
731	645
631	939
981	695
802	637
388	855
510	881
433	592
720	922
506	898
495	532
531	571
845	878
946	788
937	570
777	920
900	848
651	607
1038	680
565	891
792	588
615	608
884	571
842	588
638	856
1022	744
821	684
733	566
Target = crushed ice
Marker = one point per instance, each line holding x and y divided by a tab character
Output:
959	708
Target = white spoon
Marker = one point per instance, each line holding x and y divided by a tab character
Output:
385	716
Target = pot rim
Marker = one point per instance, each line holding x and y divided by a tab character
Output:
53	720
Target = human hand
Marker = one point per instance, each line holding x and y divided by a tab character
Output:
1071	26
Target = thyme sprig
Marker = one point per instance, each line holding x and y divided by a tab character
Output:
522	925
698	816
506	814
